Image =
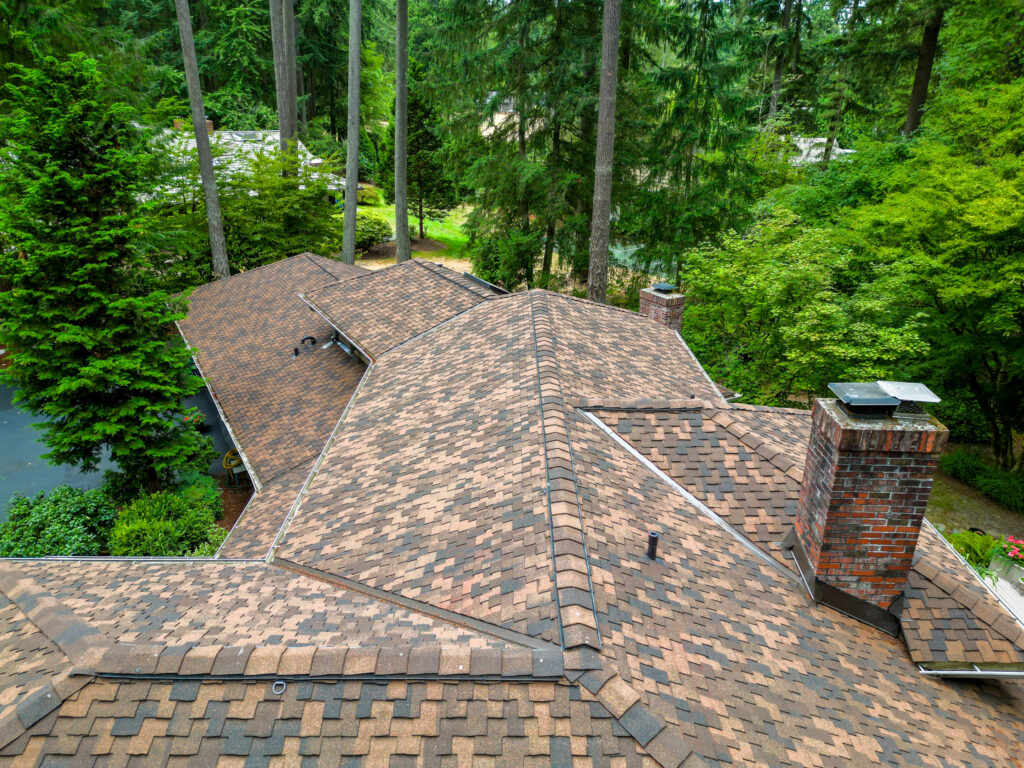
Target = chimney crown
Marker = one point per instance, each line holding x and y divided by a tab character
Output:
663	304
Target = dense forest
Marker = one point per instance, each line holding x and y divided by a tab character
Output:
837	184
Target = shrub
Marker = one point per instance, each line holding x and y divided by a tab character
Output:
368	196
1005	488
68	521
371	228
170	523
976	548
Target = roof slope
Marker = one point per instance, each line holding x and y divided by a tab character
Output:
242	330
734	654
180	602
385	308
432	487
464	578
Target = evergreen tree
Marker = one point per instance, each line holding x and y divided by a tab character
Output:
93	350
431	194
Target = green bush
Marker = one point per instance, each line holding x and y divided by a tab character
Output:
170	523
371	228
976	548
68	521
1005	488
368	196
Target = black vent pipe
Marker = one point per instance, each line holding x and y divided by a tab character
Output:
652	545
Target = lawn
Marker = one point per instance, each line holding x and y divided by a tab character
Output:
450	240
956	505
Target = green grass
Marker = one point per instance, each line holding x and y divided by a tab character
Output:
957	506
448	231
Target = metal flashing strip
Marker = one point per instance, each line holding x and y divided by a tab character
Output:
693	500
363	355
703	371
220	412
974	672
451	617
480	281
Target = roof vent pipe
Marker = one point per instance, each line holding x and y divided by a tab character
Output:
652	545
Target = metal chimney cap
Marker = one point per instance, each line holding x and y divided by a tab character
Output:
909	391
862	394
663	287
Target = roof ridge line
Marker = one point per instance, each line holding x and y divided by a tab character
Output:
433	269
309	257
198	662
640	404
417	606
574	589
275	263
763	447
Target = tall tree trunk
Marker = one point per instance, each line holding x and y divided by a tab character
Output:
277	45
600	229
195	98
549	234
522	128
402	245
423	233
780	63
355	25
925	61
300	78
291	114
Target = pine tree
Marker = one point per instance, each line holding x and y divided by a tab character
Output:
93	350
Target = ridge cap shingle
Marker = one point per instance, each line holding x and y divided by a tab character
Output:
577	611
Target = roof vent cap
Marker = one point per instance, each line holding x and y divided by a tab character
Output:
663	287
883	399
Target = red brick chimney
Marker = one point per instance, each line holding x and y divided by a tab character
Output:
866	483
663	304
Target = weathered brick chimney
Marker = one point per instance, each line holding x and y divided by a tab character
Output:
663	304
868	475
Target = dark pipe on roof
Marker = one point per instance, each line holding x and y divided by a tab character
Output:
652	545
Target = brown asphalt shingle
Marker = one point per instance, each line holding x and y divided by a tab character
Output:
736	656
255	530
213	602
382	309
395	723
465	497
242	330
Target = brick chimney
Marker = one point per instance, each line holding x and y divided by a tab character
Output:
663	304
866	483
209	126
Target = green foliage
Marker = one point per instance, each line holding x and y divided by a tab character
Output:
170	523
771	312
66	521
368	196
976	548
371	228
1005	488
431	193
94	348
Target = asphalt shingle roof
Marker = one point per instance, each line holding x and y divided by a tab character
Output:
464	579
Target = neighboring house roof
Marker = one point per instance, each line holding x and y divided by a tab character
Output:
457	572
